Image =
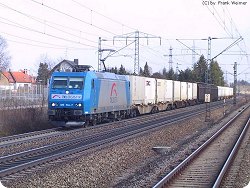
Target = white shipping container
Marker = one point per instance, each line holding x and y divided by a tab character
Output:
143	90
161	89
150	90
220	93
137	89
164	90
184	91
194	91
223	91
169	90
189	91
228	91
177	90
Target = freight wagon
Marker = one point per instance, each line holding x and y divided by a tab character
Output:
203	89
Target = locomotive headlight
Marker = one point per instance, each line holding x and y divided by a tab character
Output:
53	104
78	104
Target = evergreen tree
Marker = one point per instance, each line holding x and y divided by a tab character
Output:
164	72
43	73
122	70
171	75
157	75
146	71
199	70
113	70
141	72
186	76
243	82
216	74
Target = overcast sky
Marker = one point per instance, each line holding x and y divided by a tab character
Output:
69	29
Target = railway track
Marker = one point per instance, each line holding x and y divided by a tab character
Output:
11	141
21	161
15	139
206	166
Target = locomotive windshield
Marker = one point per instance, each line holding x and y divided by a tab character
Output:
60	82
69	83
75	83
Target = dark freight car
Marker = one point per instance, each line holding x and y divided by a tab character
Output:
214	92
203	88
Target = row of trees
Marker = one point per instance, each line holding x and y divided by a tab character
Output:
196	74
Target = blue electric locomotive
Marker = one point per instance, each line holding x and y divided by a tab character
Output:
86	98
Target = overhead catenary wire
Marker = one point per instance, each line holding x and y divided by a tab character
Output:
37	31
111	19
70	16
231	45
50	45
47	23
225	27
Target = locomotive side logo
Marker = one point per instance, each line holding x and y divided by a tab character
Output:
63	96
113	94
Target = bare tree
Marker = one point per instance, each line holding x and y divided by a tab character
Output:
45	59
4	56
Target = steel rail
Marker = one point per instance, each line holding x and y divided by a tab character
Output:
41	135
179	167
81	147
26	135
231	156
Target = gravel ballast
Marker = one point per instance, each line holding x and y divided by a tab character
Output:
132	163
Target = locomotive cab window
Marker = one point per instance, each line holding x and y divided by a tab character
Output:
60	82
75	83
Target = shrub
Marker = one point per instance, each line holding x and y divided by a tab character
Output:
17	121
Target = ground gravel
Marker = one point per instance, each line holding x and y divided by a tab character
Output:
131	163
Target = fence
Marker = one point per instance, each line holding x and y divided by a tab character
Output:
24	96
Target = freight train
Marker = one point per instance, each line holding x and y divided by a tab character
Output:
89	97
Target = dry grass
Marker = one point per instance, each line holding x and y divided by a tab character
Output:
17	121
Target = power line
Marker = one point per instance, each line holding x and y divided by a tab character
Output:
51	45
36	31
44	46
189	47
68	15
136	36
111	19
45	22
221	22
231	45
224	26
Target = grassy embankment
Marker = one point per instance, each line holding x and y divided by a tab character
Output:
22	120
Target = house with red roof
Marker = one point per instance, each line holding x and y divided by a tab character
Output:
15	80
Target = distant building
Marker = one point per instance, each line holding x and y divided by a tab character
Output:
14	80
65	66
70	66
